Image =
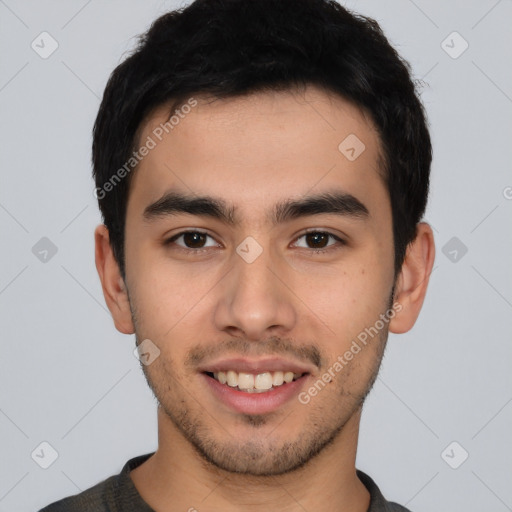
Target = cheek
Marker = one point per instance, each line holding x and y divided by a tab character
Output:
346	301
171	302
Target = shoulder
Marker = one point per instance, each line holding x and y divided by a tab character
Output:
377	501
93	498
116	493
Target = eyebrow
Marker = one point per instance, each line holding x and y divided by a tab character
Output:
337	202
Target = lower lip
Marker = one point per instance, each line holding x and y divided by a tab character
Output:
255	403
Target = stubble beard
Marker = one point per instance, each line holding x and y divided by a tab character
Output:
261	456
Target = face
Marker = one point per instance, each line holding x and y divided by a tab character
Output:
276	271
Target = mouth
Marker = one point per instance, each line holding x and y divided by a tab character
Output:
262	382
255	387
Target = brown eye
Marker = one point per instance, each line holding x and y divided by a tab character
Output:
193	240
318	241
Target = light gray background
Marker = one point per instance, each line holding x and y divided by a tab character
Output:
69	378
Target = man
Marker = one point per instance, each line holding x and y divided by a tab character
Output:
262	168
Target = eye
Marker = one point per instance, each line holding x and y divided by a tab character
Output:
196	241
319	240
191	240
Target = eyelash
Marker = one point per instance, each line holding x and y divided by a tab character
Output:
188	250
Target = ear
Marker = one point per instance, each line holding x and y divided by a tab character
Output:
114	288
412	282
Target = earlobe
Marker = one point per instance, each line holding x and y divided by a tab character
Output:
114	288
412	283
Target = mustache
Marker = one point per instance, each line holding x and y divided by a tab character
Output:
272	346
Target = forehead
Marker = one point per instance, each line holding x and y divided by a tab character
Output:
259	148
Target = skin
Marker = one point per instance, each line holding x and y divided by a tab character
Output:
254	152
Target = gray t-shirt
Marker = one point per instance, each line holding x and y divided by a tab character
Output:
118	494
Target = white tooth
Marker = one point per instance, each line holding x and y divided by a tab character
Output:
288	376
232	379
245	380
222	378
263	381
277	379
254	390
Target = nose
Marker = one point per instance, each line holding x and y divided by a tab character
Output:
255	299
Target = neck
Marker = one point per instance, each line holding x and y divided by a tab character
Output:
176	478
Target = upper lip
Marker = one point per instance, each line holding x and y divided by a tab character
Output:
273	364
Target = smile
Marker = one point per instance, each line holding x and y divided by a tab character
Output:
254	383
